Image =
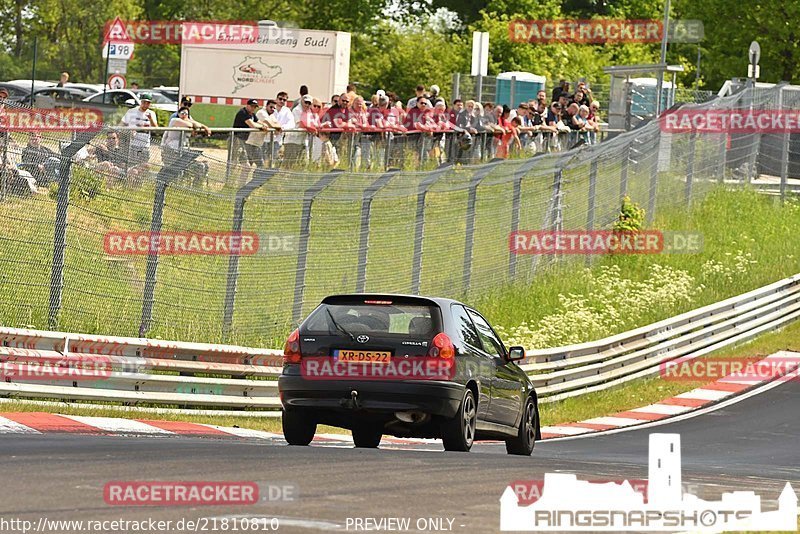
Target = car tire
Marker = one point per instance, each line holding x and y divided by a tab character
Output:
298	427
523	444
367	436
458	433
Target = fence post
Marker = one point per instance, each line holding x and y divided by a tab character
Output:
469	234
784	150
260	177
513	92
516	204
722	157
60	231
272	149
3	177
552	217
419	224
623	173
690	168
653	193
456	85
302	245
363	241
165	176
592	199
229	162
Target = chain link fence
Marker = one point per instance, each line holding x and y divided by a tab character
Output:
242	254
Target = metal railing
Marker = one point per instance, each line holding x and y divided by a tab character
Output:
135	371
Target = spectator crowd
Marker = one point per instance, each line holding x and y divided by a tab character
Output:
379	131
307	130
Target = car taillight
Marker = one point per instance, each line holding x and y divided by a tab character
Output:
442	347
291	351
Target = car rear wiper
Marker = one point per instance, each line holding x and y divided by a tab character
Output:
339	327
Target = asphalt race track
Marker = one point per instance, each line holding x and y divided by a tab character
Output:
753	444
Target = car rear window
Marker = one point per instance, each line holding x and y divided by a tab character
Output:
385	318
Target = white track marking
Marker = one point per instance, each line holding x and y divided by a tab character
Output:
705	394
244	432
117	425
567	430
613	421
664	409
737	380
336	437
7	426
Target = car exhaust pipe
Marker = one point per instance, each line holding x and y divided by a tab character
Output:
411	417
351	403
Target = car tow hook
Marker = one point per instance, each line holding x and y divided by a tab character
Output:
352	402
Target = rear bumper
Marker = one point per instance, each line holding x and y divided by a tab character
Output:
374	396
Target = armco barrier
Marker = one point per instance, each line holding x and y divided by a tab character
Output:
141	371
198	375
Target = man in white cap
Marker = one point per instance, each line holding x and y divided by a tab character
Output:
295	143
140	117
435	97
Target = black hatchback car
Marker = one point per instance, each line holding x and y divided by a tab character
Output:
407	366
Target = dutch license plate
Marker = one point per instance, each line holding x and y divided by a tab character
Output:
374	356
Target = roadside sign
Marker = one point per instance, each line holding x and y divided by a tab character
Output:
116	33
117	81
117	44
117	66
118	50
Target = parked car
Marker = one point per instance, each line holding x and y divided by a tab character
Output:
15	92
173	93
88	88
342	367
125	97
56	97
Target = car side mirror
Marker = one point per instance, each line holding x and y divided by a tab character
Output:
516	353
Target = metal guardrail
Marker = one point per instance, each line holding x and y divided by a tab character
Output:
136	371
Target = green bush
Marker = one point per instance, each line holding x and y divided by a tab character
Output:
83	184
630	218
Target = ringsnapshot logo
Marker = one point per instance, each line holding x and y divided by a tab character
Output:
738	121
529	491
602	31
549	242
195	493
732	370
51	120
